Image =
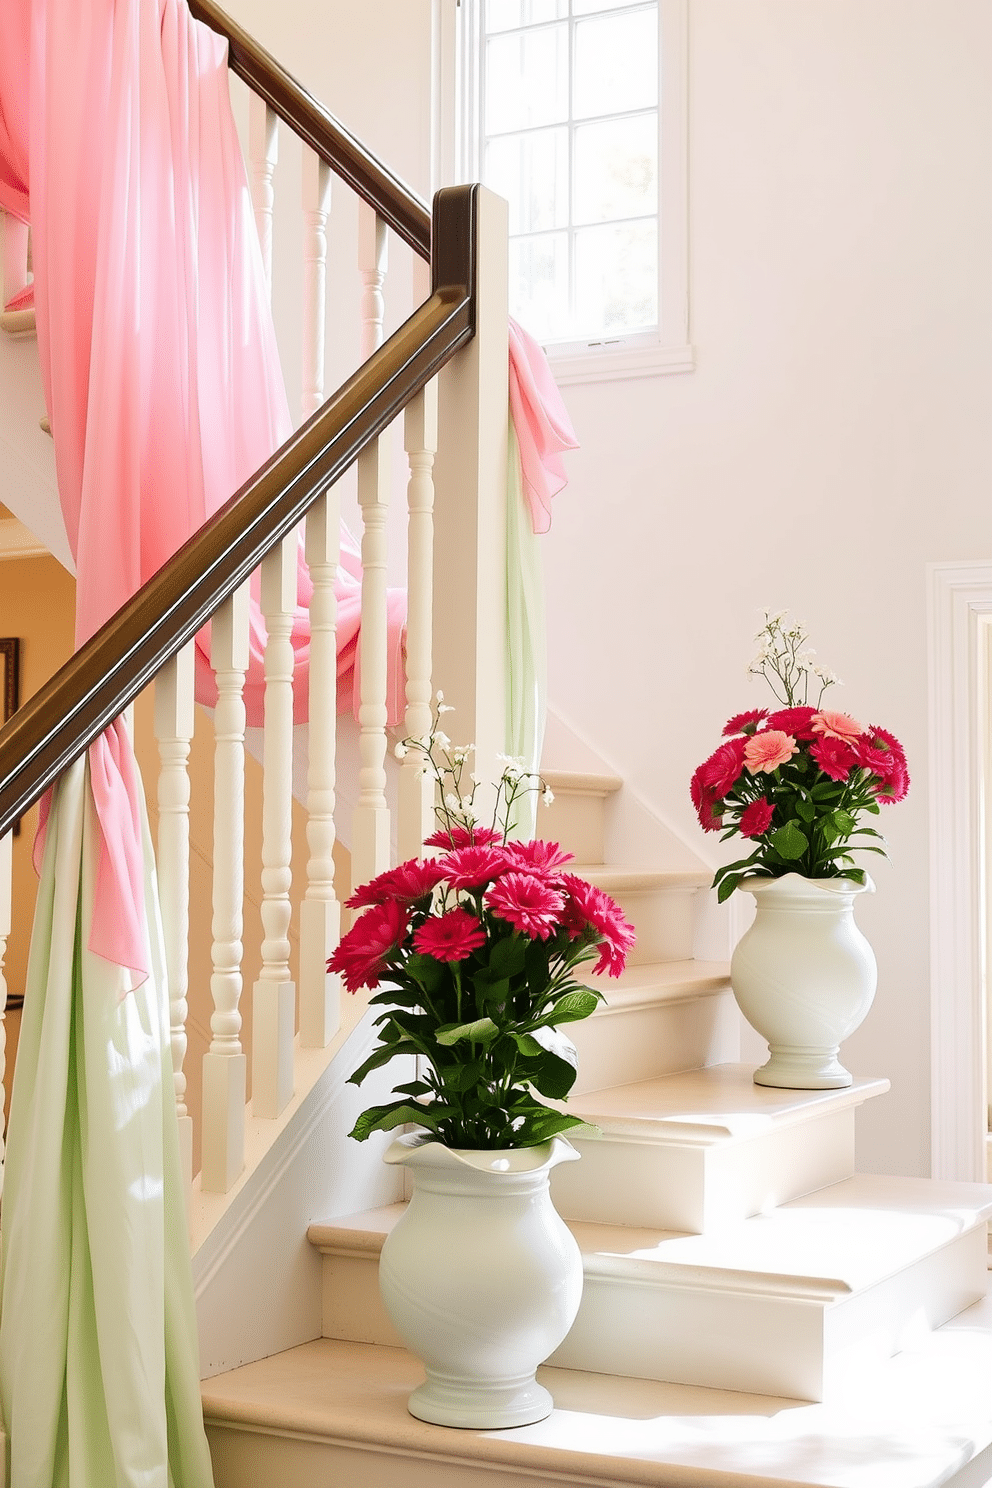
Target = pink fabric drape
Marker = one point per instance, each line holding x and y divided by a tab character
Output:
542	425
158	355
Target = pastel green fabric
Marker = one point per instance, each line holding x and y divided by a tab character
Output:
526	653
99	1372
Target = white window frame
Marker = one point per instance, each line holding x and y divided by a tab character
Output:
667	347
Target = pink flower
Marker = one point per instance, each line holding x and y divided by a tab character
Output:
538	857
882	754
767	750
450	837
468	867
795	721
527	903
363	953
745	723
449	937
756	818
407	883
834	725
588	906
707	803
834	756
719	772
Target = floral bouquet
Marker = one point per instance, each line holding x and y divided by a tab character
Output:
478	950
795	781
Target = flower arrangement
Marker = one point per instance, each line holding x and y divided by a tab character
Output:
795	781
477	950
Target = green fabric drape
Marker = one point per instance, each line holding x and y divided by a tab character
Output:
99	1373
526	652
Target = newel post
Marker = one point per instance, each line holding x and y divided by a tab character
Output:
470	242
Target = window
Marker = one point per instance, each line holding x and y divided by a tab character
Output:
575	113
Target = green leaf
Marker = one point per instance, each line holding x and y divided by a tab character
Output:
479	1031
806	810
382	1056
507	957
728	886
397	1113
790	841
572	1007
527	1044
844	822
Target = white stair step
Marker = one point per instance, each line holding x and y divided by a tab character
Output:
706	1148
658	903
665	1016
576	818
335	1413
788	1303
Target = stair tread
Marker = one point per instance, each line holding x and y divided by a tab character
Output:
920	1420
718	1103
826	1245
617	877
658	981
581	782
18	322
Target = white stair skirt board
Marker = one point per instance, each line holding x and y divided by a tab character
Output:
788	1303
335	1413
705	1148
658	903
666	1016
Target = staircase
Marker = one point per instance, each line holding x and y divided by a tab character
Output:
754	1311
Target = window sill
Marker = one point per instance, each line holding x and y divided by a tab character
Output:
620	364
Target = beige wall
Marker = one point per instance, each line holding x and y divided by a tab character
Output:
37	605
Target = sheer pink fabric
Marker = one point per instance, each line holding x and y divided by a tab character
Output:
158	355
542	425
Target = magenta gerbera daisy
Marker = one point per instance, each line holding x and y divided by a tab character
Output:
744	723
527	903
363	954
407	882
470	867
451	936
451	837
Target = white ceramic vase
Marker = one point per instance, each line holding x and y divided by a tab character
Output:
804	976
481	1279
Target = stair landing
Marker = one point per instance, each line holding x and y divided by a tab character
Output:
331	1412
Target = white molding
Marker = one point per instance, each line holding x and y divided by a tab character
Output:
959	614
619	365
17	541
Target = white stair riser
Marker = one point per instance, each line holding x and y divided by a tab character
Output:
576	821
623	1045
664	920
244	1457
676	1185
762	1343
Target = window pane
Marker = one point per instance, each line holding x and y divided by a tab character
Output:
527	79
616	278
531	171
585	7
503	15
616	169
539	285
616	64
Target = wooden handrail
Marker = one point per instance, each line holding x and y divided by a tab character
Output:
106	674
394	201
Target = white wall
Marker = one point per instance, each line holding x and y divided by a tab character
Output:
832	440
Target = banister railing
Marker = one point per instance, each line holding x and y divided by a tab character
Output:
367	176
107	673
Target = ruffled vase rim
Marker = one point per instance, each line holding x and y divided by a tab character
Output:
797	883
420	1149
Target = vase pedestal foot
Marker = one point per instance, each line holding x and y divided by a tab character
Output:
481	1405
803	1069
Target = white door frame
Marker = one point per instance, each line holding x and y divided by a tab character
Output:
960	650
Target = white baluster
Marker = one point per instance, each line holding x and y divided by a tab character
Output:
274	995
316	205
6	887
174	730
370	835
416	790
224	1065
263	152
320	912
372	261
